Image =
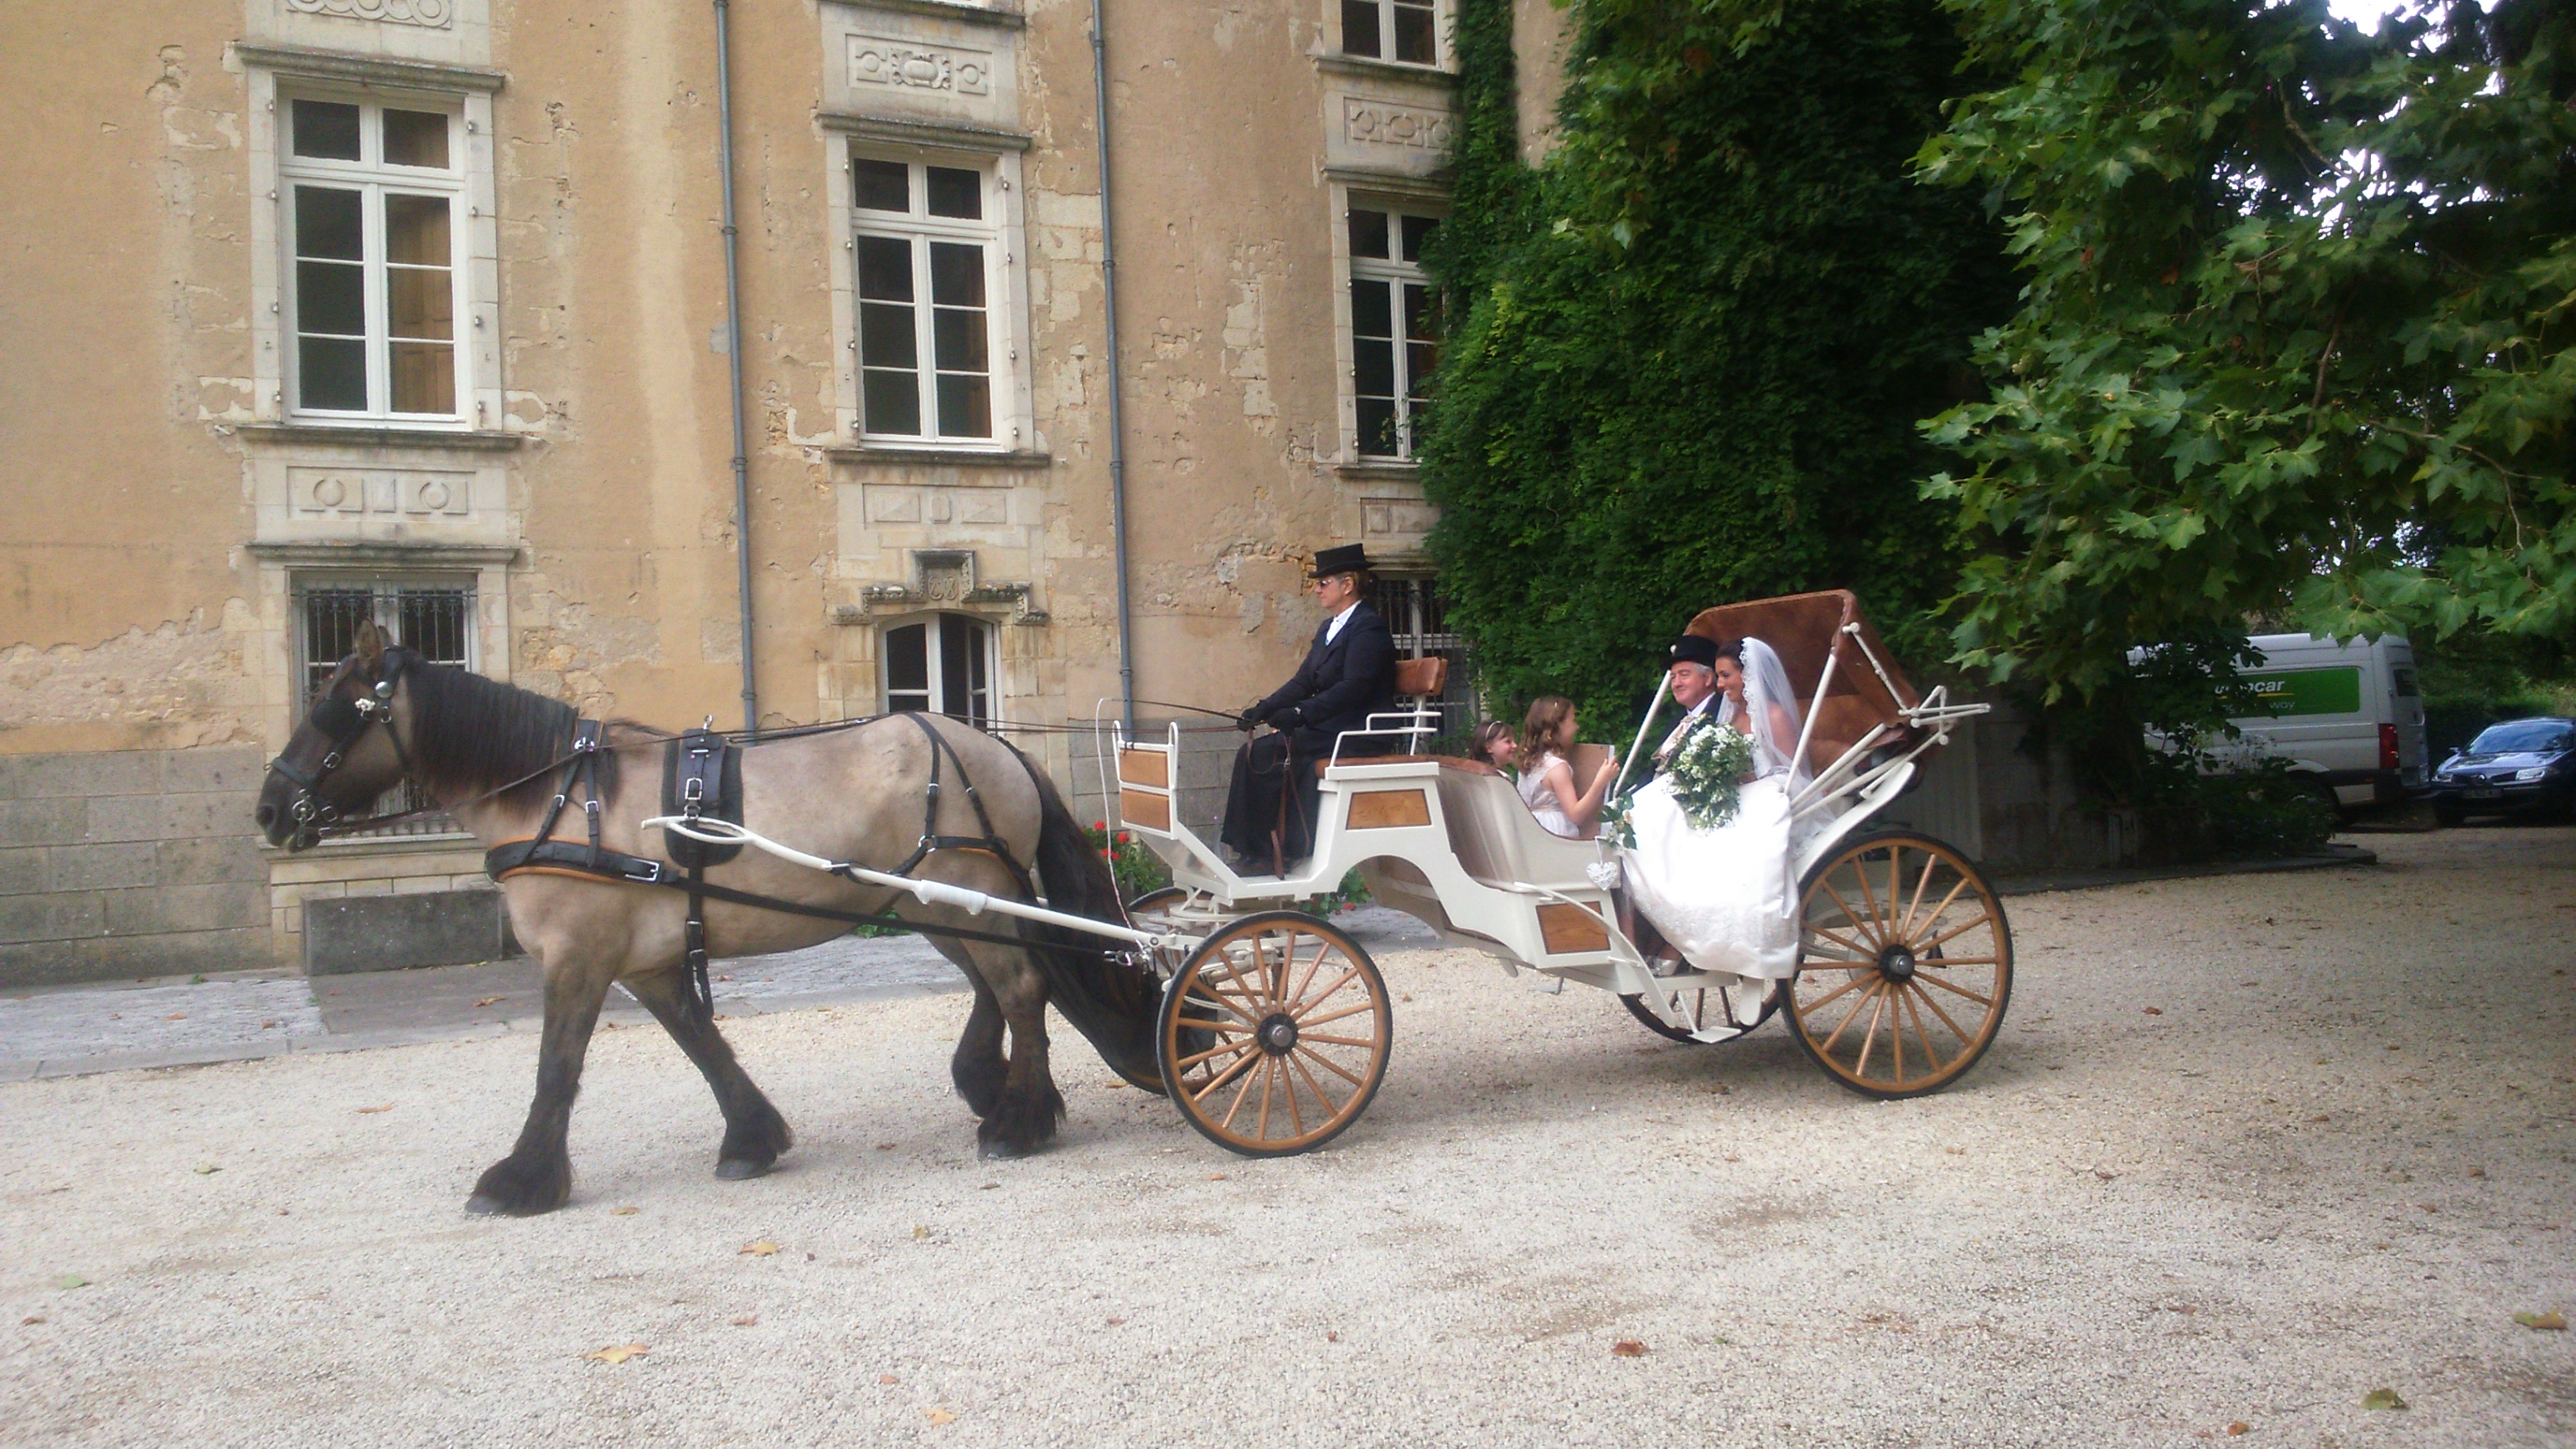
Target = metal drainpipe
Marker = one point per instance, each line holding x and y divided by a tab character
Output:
733	358
1117	412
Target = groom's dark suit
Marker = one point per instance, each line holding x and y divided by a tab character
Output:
1347	676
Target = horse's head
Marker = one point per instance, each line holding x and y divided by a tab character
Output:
348	750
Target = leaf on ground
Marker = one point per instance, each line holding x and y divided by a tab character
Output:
920	1231
1216	1177
2239	1427
266	1025
885	1147
1627	1348
485	1000
1114	1085
756	1248
624	1212
370	1111
176	1016
888	1379
2552	1321
747	1320
939	1416
31	1318
2155	1011
2382	1399
207	1168
618	1352
71	1280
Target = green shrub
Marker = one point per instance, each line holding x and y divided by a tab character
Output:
1137	869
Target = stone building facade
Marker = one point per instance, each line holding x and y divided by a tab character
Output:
415	311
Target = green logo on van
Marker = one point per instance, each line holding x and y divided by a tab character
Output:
2308	691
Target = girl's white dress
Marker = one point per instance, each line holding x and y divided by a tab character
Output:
1725	897
1542	801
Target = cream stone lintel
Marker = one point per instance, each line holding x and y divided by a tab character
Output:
923	133
361	436
420	75
385	553
994	16
937	457
1434	187
1396	469
1364	67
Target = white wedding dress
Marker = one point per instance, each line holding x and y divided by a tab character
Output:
1724	897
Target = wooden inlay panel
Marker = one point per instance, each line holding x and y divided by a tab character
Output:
1153	812
1145	767
1388	809
1571	928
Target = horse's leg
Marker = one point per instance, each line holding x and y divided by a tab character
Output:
1024	1118
978	1068
537	1175
754	1132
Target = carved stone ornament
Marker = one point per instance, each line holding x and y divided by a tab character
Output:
943	576
430	14
912	66
1377	123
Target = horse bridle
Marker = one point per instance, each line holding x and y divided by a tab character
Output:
344	721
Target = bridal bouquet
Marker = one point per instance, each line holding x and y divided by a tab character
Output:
1706	776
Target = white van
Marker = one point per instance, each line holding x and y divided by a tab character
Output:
2348	714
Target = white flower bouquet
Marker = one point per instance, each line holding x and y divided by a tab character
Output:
1706	776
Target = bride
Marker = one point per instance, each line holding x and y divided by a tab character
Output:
1723	897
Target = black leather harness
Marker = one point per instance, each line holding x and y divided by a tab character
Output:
702	778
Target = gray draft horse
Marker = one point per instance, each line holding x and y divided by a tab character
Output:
857	794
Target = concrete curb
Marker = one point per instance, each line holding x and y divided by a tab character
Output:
2085	880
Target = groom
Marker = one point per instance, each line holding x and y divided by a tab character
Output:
1692	669
1349	674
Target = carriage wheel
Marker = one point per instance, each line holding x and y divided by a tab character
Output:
1704	1007
1904	966
1274	1034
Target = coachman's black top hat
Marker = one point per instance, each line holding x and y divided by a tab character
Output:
1341	558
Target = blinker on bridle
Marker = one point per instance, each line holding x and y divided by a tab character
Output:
342	721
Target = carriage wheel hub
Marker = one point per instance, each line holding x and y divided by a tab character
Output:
1277	1033
1896	963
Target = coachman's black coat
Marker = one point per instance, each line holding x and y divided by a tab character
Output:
1339	686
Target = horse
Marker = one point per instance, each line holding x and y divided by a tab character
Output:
496	756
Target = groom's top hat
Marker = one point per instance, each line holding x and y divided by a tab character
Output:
1341	558
1692	649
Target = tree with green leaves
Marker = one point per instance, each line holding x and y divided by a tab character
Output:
1691	349
2295	339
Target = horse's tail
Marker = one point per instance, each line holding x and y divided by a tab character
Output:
1106	996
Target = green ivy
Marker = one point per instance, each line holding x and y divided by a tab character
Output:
1688	353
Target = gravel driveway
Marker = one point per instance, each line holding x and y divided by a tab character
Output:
2248	1149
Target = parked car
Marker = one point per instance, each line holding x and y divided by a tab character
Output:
2519	767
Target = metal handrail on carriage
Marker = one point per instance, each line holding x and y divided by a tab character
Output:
1240	1003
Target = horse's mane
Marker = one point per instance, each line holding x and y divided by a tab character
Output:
470	734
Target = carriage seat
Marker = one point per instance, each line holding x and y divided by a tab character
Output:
1417	683
1497	840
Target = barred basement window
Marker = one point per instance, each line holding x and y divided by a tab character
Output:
433	616
1419	618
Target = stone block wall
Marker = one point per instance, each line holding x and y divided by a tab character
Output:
130	863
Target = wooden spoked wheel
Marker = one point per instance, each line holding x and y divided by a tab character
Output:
1704	1007
1904	966
1274	1034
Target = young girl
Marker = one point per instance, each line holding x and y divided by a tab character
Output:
1547	781
1492	743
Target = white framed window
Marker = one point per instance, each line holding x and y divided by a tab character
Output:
1407	31
432	613
1393	312
372	197
942	664
928	277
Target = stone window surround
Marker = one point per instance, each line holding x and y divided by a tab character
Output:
1346	188
330	75
1015	436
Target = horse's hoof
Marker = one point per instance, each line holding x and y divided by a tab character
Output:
736	1169
999	1150
484	1204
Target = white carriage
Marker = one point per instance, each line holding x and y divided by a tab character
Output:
1275	1029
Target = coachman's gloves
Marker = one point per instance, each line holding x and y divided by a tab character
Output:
1249	720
